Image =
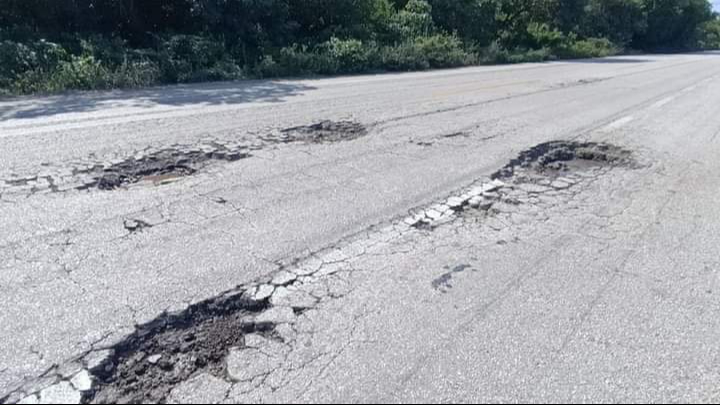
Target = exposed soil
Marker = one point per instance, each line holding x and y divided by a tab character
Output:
322	132
548	168
558	157
158	167
147	365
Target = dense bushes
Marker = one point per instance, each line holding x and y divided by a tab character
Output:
53	45
353	56
103	64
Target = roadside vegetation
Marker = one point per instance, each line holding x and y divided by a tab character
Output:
55	45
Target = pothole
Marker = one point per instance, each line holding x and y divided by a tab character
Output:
158	167
554	159
146	366
548	169
322	132
168	164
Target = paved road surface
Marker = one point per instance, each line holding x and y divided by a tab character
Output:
602	287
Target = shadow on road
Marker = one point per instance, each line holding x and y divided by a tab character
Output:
176	96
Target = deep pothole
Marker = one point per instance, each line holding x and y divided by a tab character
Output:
321	132
161	166
146	366
556	158
546	169
158	167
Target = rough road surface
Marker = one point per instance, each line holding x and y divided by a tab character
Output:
539	233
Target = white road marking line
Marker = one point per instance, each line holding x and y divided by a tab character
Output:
619	123
662	102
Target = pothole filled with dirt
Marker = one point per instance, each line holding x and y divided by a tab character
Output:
158	167
146	366
322	132
553	159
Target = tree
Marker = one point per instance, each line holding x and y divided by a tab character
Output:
673	24
618	20
473	20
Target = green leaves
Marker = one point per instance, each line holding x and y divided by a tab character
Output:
48	44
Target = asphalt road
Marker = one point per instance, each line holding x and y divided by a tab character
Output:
604	288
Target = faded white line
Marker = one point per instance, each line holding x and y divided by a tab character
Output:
662	102
619	123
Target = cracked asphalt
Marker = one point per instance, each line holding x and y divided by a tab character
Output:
387	257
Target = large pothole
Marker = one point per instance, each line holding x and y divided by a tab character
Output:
559	157
322	132
158	167
161	166
548	169
146	366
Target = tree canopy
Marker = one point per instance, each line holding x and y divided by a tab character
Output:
185	40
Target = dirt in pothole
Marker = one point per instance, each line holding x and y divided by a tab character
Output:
158	167
147	365
559	157
322	132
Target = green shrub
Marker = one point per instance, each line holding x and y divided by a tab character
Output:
531	56
332	57
350	55
191	58
80	72
294	60
587	48
413	21
708	35
403	57
497	54
133	74
542	36
443	51
19	58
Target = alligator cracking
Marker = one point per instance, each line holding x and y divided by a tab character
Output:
145	366
321	132
556	158
540	169
161	166
172	163
158	167
158	356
